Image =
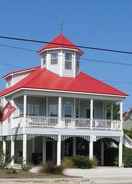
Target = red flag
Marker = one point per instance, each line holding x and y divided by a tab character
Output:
7	111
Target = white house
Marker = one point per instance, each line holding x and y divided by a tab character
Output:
60	111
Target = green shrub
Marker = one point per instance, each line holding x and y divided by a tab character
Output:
127	157
79	162
83	162
52	169
68	162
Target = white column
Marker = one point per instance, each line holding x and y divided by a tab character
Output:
4	147
112	116
91	113
59	150
61	62
44	150
121	114
24	133
24	111
102	153
12	150
120	151
74	64
47	107
74	112
91	148
74	146
60	111
24	149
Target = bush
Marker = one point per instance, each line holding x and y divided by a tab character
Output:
50	168
82	162
127	157
68	162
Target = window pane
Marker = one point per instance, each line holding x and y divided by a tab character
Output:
52	109
68	61
54	58
68	56
68	65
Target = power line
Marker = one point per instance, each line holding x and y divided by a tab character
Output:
107	62
68	45
16	47
83	58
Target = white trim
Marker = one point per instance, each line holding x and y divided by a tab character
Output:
72	92
18	72
59	48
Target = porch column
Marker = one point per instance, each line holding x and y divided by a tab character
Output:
44	150
60	110
91	113
24	149
24	130
74	112
102	153
12	150
121	114
59	150
120	151
74	146
4	147
47	112
91	148
24	112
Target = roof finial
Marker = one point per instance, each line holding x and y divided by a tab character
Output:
61	26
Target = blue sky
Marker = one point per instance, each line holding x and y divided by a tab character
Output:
105	24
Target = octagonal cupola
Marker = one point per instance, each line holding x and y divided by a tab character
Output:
61	56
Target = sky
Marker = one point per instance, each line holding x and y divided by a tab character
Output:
105	24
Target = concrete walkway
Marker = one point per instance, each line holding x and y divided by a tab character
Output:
40	181
102	175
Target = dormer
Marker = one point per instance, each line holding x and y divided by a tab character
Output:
61	56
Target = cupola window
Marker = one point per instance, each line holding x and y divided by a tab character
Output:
68	61
54	58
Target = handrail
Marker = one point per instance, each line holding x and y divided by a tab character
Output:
68	122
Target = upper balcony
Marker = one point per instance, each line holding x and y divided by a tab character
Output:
66	113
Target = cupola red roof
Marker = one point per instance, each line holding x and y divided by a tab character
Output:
60	42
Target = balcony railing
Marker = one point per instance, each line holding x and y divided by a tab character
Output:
55	122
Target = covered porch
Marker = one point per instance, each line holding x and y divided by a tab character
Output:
66	112
39	149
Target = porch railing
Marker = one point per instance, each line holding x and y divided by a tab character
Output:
55	122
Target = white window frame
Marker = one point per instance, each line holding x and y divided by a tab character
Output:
54	58
68	62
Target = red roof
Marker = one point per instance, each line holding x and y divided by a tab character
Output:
60	42
40	78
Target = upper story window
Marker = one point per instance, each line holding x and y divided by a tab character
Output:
68	61
54	58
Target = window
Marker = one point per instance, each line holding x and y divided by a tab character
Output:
68	109
54	58
68	61
53	110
